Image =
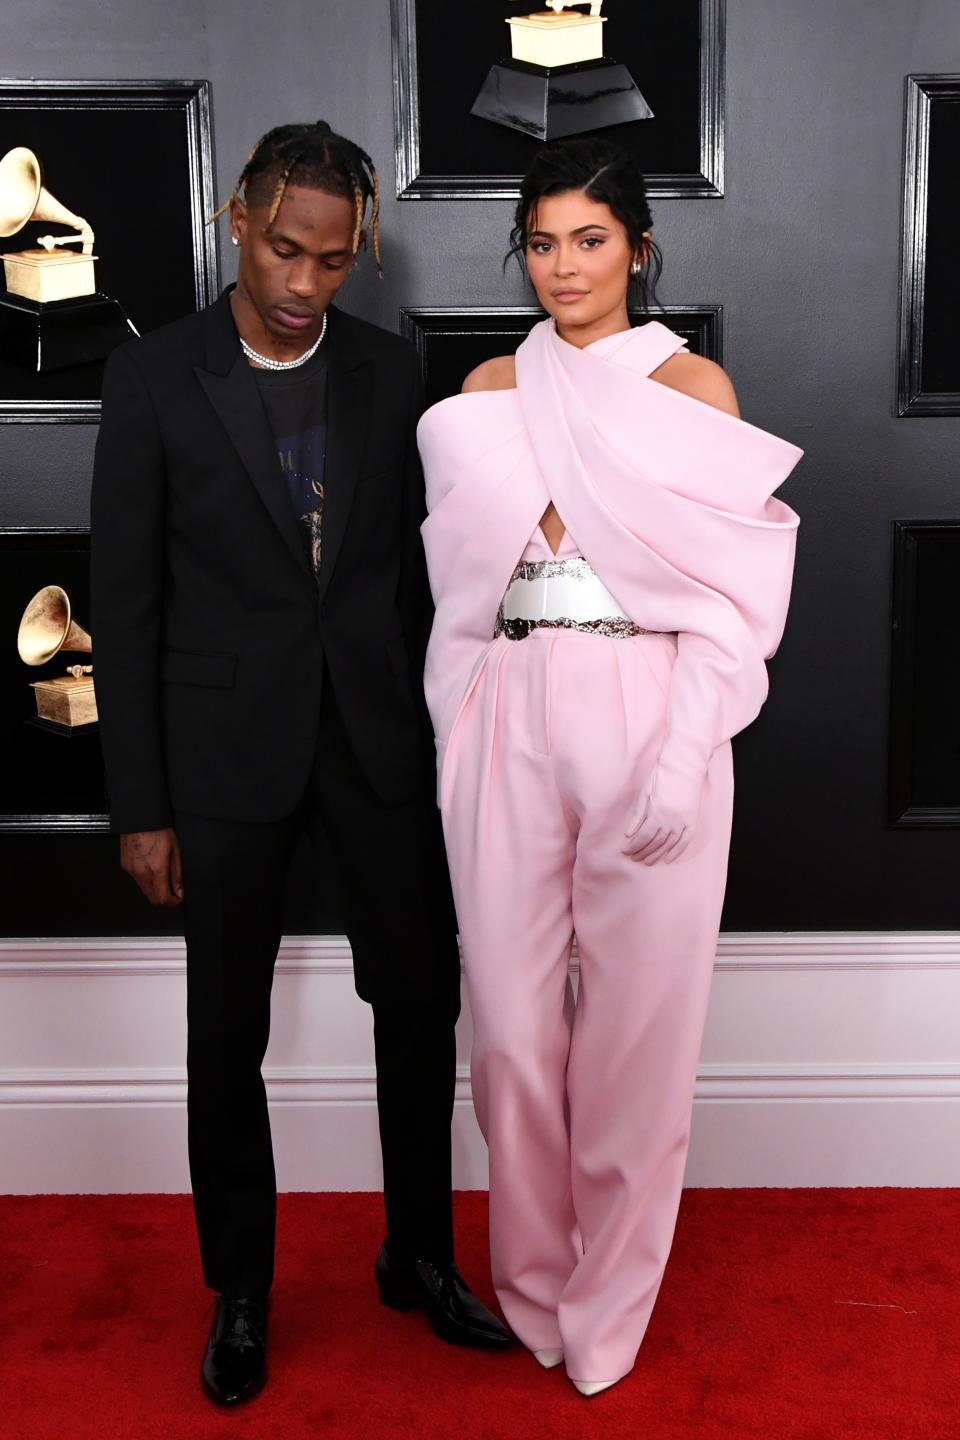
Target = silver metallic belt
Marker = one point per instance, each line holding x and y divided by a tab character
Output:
563	594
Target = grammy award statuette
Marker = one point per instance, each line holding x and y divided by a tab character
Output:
52	314
67	702
557	81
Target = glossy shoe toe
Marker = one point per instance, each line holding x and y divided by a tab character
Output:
455	1313
548	1358
234	1366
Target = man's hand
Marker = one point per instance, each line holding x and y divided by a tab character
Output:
152	857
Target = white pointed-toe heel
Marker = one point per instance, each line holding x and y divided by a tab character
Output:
548	1358
592	1387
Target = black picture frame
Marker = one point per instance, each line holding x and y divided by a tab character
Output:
136	158
924	763
928	376
450	341
695	75
52	781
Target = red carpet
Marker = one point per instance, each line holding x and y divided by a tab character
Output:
785	1314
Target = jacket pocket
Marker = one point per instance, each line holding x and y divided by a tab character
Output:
193	667
375	471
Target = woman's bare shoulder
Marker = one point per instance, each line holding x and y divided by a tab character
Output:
497	374
700	378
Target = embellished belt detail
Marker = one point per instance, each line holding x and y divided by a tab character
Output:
563	594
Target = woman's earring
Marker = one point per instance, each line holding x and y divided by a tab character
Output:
635	268
234	239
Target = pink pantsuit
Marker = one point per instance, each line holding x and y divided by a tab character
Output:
544	745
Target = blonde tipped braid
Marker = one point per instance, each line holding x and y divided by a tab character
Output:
359	205
360	209
280	189
375	221
236	189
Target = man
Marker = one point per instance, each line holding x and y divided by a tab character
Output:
261	611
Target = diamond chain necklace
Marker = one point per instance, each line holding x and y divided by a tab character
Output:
265	362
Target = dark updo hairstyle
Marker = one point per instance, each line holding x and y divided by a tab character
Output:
606	173
318	159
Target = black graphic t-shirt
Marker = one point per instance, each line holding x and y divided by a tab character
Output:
296	406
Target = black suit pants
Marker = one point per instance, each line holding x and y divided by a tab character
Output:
399	921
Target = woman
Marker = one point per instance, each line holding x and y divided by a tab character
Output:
609	572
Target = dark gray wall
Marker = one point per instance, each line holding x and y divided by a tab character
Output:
803	254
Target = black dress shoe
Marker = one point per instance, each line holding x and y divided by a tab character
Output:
455	1313
235	1365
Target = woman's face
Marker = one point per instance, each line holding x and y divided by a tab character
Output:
578	257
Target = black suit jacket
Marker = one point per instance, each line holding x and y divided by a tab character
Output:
211	634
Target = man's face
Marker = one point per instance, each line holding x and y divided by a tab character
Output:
292	271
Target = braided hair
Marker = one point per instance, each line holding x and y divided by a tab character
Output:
316	157
605	172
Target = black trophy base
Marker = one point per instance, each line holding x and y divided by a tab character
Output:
567	100
61	333
68	732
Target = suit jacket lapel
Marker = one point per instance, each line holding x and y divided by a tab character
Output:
348	416
233	393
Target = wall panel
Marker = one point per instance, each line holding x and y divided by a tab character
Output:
802	252
828	1060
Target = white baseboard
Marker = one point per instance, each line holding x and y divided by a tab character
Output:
829	1059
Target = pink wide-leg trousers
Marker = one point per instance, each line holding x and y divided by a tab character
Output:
586	1110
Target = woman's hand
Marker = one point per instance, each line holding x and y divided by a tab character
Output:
665	816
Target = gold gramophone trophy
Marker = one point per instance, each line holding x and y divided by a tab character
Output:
557	81
52	313
67	701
